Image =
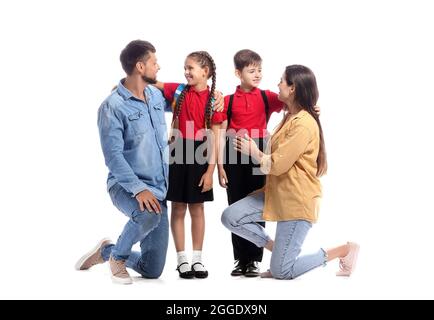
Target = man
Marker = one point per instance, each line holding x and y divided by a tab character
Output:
133	137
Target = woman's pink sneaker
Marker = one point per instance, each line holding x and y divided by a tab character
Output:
347	264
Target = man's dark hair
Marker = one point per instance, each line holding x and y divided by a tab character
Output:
135	51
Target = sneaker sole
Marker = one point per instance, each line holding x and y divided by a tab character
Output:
80	262
117	280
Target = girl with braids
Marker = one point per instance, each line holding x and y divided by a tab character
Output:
193	156
292	190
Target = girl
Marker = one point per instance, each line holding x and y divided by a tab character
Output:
292	190
193	156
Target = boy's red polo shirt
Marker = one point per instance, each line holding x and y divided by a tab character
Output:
248	111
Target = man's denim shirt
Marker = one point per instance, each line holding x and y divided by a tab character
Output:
134	141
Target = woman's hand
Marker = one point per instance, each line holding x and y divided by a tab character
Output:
247	146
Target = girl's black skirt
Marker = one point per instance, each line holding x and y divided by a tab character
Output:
188	163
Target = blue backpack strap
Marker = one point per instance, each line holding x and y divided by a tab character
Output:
178	92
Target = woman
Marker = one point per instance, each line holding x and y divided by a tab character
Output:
292	191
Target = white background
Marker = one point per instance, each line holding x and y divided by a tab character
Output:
374	66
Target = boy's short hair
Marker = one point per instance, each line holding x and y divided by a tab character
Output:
246	57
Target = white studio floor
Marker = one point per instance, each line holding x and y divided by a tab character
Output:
319	284
46	272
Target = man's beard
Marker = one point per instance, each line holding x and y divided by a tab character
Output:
149	80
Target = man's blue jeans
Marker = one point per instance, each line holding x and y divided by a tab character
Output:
148	228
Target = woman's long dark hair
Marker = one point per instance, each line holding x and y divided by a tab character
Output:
306	96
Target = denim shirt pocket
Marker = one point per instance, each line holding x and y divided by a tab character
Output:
160	123
159	111
138	123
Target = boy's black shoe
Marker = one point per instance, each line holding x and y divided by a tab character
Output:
252	269
239	269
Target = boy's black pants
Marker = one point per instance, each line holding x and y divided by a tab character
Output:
242	181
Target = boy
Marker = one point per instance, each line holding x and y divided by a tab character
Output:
248	111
